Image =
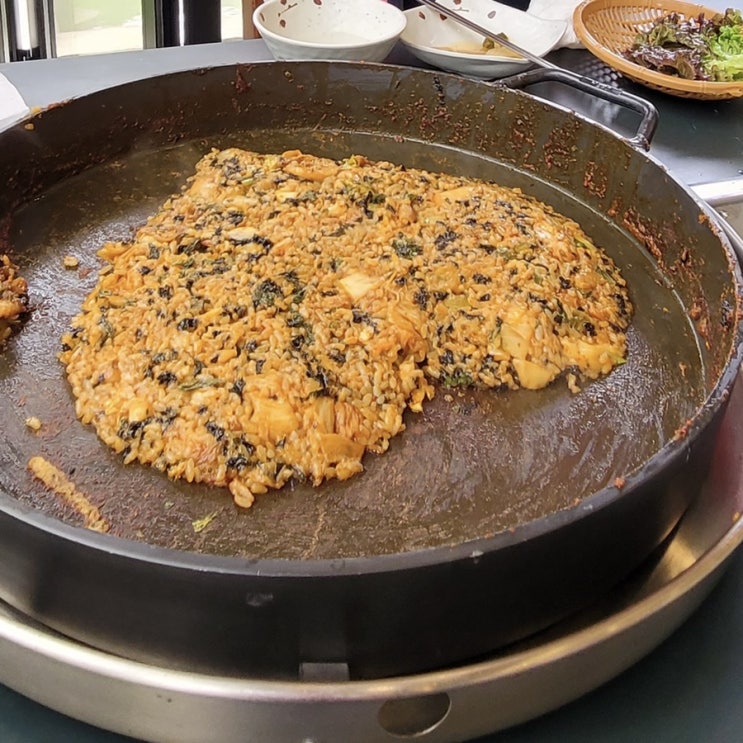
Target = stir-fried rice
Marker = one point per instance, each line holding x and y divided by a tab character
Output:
276	318
13	297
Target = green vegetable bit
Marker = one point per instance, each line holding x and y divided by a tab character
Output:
405	247
200	524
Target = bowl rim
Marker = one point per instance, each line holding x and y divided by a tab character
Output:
445	53
390	10
484	58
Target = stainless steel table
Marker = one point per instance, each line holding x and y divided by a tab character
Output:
691	687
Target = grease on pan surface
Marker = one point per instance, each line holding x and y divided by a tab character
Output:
276	319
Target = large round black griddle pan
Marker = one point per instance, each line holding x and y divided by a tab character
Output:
490	517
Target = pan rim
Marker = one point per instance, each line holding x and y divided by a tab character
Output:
673	451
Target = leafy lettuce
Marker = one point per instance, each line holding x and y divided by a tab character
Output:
725	58
695	48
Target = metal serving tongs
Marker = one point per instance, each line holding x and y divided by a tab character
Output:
552	72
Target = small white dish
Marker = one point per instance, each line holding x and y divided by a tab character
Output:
442	42
355	30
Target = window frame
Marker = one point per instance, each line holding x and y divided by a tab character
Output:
160	26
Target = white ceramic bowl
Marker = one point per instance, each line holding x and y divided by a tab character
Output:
442	42
357	30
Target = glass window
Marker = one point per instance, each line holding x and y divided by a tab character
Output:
232	19
97	26
100	26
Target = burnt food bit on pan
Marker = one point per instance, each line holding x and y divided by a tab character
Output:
13	297
276	319
58	483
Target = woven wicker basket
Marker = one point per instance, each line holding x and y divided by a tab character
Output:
608	28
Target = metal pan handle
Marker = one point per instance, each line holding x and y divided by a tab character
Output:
647	111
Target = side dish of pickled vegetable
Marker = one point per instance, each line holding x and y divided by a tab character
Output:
694	48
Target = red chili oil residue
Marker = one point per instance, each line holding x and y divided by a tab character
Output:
242	85
682	431
595	180
645	234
